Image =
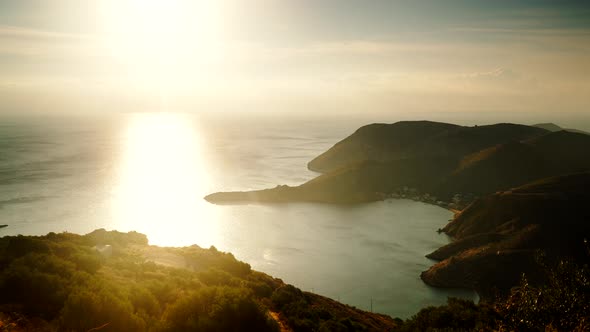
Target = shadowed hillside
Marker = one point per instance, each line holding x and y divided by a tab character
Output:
568	150
499	237
553	127
516	163
364	182
416	139
436	161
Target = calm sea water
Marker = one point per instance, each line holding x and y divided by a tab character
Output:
149	172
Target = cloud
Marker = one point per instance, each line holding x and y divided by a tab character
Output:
466	68
502	74
20	41
21	32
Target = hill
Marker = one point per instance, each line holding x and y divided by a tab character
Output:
364	182
516	163
435	162
417	139
553	127
499	237
567	149
111	281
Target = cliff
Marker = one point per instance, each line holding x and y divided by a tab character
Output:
499	237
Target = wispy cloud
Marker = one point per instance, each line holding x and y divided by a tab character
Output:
382	52
7	31
495	74
22	41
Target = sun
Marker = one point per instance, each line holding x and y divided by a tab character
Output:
159	42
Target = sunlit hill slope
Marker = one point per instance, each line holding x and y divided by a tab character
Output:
111	281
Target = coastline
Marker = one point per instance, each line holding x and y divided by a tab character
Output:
250	197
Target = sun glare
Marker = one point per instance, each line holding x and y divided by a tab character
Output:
160	41
162	181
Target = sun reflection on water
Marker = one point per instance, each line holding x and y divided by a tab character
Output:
162	180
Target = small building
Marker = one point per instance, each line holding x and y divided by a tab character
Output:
104	249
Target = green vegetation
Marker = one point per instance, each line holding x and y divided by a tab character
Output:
457	315
62	282
111	281
303	313
562	303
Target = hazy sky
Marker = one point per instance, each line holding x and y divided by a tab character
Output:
295	56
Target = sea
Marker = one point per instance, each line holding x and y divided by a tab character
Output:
149	172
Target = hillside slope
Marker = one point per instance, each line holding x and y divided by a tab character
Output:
416	139
111	281
437	159
499	237
364	182
516	163
553	127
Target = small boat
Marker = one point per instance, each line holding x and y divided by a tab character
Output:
2	226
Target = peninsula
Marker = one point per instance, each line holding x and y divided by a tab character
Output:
521	191
440	163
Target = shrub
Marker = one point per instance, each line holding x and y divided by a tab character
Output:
85	310
457	315
562	304
285	295
89	262
214	309
37	283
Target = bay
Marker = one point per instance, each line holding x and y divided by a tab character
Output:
148	172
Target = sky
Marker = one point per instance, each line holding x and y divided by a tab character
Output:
299	56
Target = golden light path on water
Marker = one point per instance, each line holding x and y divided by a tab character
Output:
162	180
